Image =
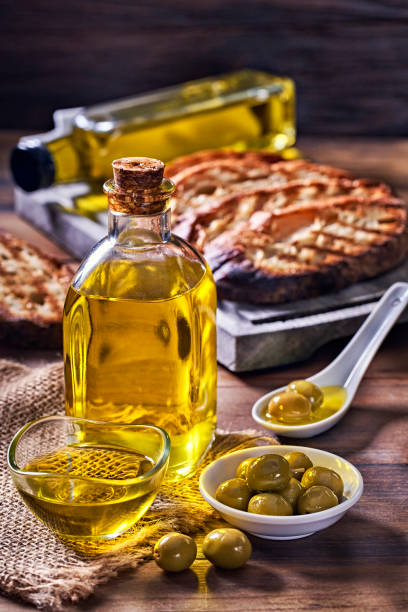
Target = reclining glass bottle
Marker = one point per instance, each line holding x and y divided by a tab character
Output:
139	321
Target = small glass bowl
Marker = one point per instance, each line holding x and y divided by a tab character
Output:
102	485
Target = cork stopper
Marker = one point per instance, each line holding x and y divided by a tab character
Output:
137	173
138	186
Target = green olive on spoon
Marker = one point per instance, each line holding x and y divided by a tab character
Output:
340	378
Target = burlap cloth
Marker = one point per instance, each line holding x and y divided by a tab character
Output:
34	564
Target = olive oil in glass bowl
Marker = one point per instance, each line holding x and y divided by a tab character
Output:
88	481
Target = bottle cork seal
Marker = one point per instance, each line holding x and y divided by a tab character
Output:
137	173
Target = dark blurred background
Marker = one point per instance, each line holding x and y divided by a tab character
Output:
349	58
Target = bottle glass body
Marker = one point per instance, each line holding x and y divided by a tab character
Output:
140	338
241	110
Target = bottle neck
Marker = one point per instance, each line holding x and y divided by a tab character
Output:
139	230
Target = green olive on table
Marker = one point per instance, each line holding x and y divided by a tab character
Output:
289	407
312	392
242	469
299	463
268	473
326	477
234	493
270	503
227	548
292	491
175	552
316	499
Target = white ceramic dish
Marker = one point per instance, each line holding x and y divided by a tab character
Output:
281	527
348	368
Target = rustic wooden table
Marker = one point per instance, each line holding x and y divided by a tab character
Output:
361	562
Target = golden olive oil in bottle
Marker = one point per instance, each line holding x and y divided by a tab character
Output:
244	109
139	321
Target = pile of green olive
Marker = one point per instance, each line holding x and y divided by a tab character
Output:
296	403
269	485
226	548
281	486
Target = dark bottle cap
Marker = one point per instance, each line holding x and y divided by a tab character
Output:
32	166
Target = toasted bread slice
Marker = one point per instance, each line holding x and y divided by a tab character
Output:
202	184
275	230
250	157
235	211
33	287
309	249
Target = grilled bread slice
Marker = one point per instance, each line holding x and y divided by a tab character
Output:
248	157
276	231
235	211
33	287
309	249
204	183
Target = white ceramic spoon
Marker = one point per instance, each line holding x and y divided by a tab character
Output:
348	368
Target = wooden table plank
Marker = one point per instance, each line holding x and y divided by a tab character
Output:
358	564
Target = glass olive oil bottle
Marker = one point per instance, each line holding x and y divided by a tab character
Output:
139	321
244	109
